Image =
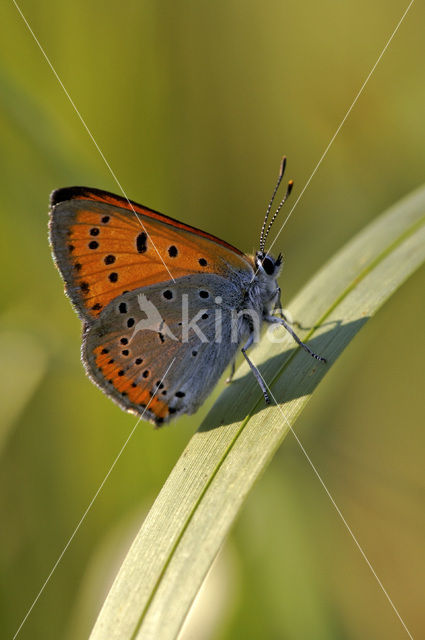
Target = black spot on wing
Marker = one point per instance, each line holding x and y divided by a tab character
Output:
141	244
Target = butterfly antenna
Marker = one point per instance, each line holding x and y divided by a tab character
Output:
279	180
284	199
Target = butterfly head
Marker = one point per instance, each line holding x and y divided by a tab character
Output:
264	289
267	264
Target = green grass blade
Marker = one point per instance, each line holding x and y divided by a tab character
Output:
200	500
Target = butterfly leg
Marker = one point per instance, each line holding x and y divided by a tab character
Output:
232	371
278	308
254	369
278	304
282	321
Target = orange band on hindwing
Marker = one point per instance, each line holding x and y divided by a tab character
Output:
127	387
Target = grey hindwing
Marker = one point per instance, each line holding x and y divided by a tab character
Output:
143	330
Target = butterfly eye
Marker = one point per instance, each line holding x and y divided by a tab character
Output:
268	265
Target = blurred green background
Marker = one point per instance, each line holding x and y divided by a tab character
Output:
193	104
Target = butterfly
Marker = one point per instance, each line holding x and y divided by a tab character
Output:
165	307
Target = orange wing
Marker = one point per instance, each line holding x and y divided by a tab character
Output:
105	245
